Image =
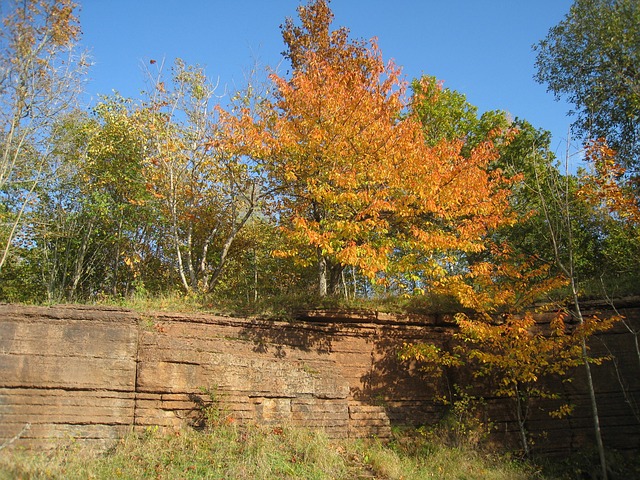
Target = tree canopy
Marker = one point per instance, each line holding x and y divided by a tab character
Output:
591	58
358	182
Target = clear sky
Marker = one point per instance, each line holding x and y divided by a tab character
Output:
481	48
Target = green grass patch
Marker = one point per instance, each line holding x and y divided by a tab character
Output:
252	452
282	306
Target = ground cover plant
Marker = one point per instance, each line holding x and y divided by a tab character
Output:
253	452
232	452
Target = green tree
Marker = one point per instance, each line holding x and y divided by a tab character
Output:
60	231
592	59
446	114
603	243
114	201
529	158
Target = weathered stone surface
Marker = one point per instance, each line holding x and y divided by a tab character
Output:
96	373
74	348
67	372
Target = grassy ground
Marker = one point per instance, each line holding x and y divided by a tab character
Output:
232	452
282	307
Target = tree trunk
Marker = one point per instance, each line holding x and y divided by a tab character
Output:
322	275
330	277
116	257
592	392
255	276
79	261
335	279
224	253
522	422
189	244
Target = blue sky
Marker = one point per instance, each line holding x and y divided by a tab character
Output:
481	48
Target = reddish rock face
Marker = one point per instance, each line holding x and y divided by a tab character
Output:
95	373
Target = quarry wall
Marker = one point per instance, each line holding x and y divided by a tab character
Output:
94	374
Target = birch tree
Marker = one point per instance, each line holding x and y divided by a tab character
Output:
205	191
40	78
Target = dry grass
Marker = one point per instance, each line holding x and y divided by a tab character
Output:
232	452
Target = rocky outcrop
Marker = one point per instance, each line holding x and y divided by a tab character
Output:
254	379
96	373
67	373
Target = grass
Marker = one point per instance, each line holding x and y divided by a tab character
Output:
252	452
281	306
285	306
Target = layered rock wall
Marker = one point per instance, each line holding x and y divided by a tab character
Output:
96	373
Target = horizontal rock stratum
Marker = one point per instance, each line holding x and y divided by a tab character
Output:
96	373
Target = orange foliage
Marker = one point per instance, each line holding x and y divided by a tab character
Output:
519	352
606	185
507	282
356	181
61	29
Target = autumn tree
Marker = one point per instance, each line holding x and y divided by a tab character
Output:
90	228
519	356
502	340
39	80
447	118
337	150
498	337
204	189
355	178
605	186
